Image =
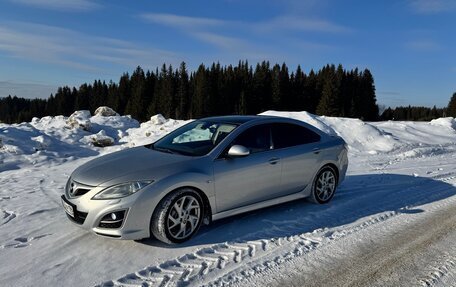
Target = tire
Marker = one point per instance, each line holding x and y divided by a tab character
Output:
324	185
178	216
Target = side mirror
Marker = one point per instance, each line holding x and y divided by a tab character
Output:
238	151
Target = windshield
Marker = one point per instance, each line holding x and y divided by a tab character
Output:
195	139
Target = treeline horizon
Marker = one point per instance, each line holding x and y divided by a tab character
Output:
220	90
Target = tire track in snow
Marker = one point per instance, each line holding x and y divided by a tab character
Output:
438	272
24	241
7	216
223	260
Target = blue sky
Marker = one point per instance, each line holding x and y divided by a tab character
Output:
409	45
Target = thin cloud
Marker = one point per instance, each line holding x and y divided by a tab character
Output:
200	28
423	46
66	47
214	31
185	22
302	24
220	41
66	5
432	6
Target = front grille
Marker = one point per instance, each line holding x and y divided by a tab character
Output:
111	225
75	189
80	191
79	217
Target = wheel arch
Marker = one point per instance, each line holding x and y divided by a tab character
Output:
206	202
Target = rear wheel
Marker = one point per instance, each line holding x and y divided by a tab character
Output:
178	216
324	185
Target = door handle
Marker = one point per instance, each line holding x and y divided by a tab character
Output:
316	150
274	160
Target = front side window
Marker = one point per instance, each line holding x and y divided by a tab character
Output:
287	135
256	139
195	139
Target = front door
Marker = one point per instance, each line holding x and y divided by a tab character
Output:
246	180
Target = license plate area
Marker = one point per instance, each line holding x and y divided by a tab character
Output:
69	209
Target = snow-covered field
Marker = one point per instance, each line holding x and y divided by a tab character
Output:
392	222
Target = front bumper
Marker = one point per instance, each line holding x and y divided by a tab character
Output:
88	214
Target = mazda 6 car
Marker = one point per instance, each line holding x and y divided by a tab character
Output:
206	170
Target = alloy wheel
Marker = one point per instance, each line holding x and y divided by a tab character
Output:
325	185
183	217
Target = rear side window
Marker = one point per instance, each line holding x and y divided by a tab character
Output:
287	135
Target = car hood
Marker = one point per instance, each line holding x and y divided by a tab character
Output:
139	161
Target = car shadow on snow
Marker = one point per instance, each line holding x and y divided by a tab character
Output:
359	196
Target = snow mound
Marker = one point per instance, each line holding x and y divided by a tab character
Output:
114	126
42	142
360	136
444	122
19	140
105	111
150	131
79	119
420	134
306	117
59	139
157	119
99	139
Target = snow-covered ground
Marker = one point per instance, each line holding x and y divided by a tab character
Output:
392	222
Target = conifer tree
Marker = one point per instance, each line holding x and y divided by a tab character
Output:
182	93
136	105
330	103
451	109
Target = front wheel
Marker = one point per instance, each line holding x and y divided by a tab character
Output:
324	185
178	216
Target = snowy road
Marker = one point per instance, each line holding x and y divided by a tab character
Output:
420	252
392	222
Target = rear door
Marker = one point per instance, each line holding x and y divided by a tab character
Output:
298	148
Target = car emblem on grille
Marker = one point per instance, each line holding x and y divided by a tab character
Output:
72	190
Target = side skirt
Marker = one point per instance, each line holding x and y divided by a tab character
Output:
301	194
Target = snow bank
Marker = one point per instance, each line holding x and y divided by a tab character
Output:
444	122
158	119
150	131
81	135
361	136
58	139
99	139
79	119
104	111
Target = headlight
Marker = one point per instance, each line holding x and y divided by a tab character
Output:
121	190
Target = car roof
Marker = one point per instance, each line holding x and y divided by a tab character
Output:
238	119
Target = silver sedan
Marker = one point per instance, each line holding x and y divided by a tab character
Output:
205	170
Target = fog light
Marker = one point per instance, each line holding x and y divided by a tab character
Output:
113	216
112	219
